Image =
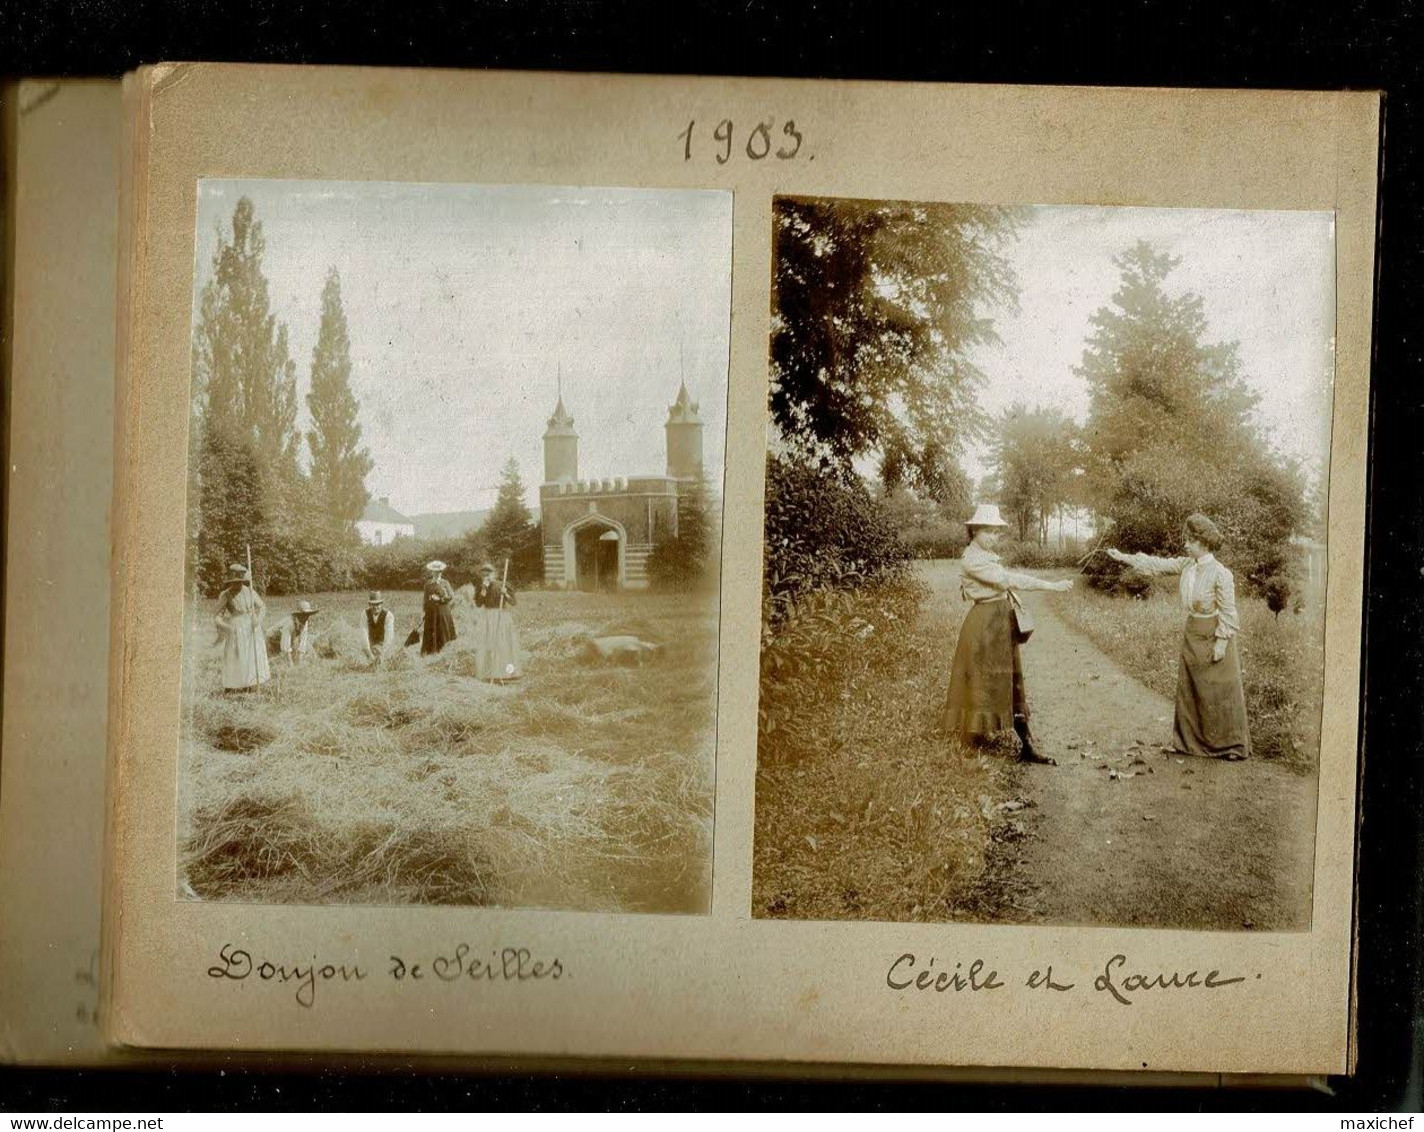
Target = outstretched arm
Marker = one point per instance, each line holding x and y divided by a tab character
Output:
994	574
1150	563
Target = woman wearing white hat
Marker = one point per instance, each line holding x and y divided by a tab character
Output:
239	623
986	685
438	629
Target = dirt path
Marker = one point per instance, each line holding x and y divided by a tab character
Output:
1123	833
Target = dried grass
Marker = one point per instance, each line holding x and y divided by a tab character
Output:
575	788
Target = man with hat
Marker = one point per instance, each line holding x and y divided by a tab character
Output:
379	626
239	625
293	637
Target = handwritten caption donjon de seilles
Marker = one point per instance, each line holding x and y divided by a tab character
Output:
1117	979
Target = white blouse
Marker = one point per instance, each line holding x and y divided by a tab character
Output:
985	578
1207	588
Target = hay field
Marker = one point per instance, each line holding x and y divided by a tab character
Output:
582	786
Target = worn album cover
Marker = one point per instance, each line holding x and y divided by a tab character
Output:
739	571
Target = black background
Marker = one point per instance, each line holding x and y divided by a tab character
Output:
1275	44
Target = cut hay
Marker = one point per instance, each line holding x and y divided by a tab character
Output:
262	839
415	783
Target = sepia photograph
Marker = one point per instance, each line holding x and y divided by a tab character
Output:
1043	605
454	523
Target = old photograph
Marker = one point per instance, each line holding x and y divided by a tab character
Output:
454	522
1044	576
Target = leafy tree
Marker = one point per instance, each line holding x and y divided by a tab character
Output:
244	379
926	528
1035	461
688	559
229	507
509	530
1170	428
244	441
249	489
339	464
877	306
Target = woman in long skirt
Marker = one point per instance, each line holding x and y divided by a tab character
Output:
497	644
986	685
1211	703
239	624
438	629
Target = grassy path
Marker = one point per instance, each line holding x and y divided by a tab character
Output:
1124	833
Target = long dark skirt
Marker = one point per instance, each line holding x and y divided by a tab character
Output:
1211	705
439	628
986	685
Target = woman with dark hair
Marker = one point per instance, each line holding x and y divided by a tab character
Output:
496	639
986	685
1211	704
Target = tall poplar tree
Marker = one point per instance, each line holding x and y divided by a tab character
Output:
244	436
339	464
244	379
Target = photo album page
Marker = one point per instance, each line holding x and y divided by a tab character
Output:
738	571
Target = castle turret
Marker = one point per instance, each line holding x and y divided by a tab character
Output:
560	447
684	437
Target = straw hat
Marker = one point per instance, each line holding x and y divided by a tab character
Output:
305	608
436	566
985	515
375	598
237	572
487	568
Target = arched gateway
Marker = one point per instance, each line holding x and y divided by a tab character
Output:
597	534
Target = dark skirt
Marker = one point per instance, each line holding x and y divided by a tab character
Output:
439	628
1211	705
986	686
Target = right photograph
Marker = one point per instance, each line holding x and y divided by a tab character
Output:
1043	596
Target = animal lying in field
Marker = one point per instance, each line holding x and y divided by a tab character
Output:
618	650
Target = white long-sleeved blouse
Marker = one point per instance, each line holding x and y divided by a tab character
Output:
985	577
1207	588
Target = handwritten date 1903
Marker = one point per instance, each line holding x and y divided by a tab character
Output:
763	140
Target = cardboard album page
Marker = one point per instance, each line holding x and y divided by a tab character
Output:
63	164
739	570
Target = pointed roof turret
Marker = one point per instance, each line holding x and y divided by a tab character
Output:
684	409
562	422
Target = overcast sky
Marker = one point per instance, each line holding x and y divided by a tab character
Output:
464	303
1267	280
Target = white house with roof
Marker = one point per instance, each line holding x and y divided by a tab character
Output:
381	523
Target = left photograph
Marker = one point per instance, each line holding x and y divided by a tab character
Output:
454	525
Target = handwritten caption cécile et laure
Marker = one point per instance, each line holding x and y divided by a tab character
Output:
519	965
1116	979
